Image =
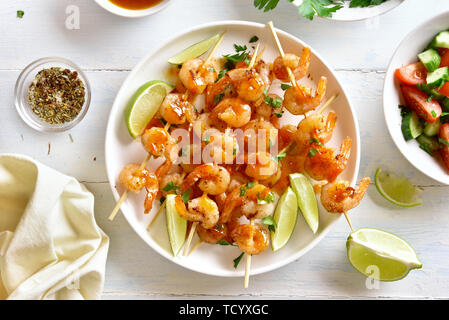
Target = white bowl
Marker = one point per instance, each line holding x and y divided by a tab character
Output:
407	52
121	150
356	14
109	6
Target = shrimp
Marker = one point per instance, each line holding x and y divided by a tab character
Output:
254	199
261	166
322	163
299	66
248	83
234	111
214	179
176	110
264	70
195	76
212	235
339	197
260	129
202	209
251	239
172	179
315	128
298	99
215	92
158	142
269	105
135	179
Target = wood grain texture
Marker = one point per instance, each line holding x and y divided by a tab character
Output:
107	47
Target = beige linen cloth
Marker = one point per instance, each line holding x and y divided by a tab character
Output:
50	244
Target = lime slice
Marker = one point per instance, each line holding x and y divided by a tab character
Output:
285	218
176	226
396	189
381	255
306	199
144	104
195	50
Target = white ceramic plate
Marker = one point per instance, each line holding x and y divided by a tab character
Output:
121	149
109	6
354	14
406	53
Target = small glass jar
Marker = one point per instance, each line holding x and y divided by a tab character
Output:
23	83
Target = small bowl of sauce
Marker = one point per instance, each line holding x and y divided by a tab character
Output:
133	8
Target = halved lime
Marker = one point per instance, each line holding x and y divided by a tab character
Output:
381	255
306	199
285	217
176	226
144	104
195	50
397	189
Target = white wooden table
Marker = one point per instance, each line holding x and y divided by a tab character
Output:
107	47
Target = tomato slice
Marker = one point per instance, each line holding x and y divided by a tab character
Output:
445	89
412	74
417	100
444	58
444	151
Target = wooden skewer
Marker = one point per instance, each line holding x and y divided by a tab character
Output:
281	51
125	194
189	239
195	246
254	57
212	52
327	104
349	221
248	266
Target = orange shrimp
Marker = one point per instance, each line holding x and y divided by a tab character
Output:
322	163
299	100
299	66
339	197
251	239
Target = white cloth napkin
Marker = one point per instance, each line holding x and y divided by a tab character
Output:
50	244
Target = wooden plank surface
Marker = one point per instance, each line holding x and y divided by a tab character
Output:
107	47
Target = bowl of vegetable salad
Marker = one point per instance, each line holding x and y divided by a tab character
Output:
416	98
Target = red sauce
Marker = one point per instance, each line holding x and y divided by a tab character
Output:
135	4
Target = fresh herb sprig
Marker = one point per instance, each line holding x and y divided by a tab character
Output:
323	8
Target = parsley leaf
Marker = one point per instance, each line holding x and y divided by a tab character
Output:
268	199
312	152
269	221
218	98
20	14
171	186
323	8
254	39
273	102
221	74
239	48
316	141
186	195
237	260
285	86
224	243
266	5
365	3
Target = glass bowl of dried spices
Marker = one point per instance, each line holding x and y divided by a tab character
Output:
52	94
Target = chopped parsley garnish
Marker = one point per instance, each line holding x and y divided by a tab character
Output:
20	14
285	86
312	152
239	48
186	195
316	141
162	200
280	156
404	110
434	114
268	199
278	114
273	102
221	74
238	57
225	243
254	39
237	260
242	191
170	186
206	140
234	151
247	186
269	221
211	69
218	98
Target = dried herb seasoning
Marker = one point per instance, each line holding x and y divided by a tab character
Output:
57	95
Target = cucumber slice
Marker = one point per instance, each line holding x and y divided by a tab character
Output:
432	129
431	59
411	126
441	40
431	92
438	77
428	144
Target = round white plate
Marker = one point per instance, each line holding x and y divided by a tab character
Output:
406	53
354	14
121	149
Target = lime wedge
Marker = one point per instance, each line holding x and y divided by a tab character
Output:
195	50
306	199
381	255
396	189
176	226
285	218
144	104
